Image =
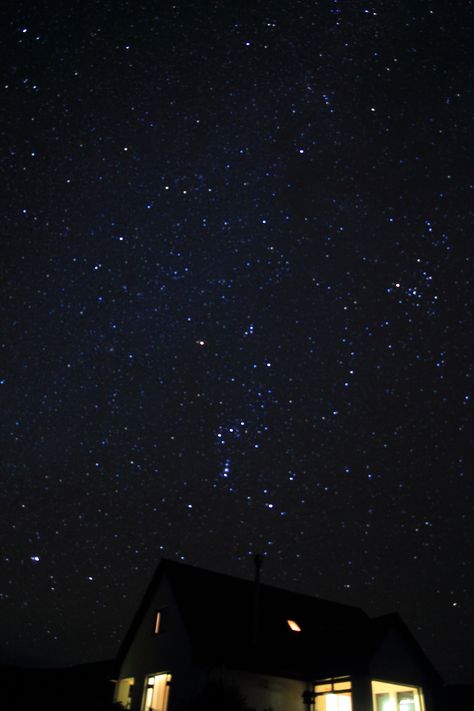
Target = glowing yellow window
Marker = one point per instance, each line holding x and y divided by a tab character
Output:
396	697
334	695
294	626
156	694
158	617
160	620
123	692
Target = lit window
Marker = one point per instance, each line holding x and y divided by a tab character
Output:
156	692
334	695
396	697
158	622
123	692
294	626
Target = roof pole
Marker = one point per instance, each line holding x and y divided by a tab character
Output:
258	562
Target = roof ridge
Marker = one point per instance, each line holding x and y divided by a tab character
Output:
263	585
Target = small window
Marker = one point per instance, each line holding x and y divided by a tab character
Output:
158	626
294	626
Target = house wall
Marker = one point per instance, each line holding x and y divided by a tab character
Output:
265	693
361	693
168	651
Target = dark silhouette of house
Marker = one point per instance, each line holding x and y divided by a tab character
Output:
280	650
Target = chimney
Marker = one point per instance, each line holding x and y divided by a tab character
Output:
258	562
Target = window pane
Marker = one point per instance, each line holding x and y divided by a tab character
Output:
383	702
322	687
406	701
342	685
334	702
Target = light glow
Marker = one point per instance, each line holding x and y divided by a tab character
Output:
338	702
123	691
156	693
157	622
390	697
294	626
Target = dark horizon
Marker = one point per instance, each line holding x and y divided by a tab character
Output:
237	310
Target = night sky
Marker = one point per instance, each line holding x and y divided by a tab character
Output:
236	310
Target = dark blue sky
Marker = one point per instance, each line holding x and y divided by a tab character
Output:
236	310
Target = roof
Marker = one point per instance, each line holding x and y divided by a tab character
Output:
218	613
392	621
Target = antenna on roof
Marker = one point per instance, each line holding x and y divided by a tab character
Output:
258	562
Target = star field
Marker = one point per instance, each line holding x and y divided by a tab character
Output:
236	310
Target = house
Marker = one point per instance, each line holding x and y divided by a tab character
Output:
283	651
